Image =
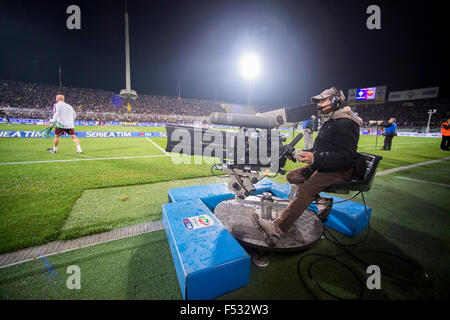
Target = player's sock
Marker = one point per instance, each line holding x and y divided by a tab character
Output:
79	149
55	149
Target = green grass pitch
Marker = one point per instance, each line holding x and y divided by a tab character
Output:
37	198
124	181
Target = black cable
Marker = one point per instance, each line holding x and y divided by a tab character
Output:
217	175
337	242
317	285
350	253
344	200
271	177
347	252
416	266
351	198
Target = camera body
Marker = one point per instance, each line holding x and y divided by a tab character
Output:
246	155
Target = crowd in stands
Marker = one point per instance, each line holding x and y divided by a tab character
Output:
35	96
412	115
407	114
35	101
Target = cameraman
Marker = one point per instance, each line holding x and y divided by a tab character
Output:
331	160
390	130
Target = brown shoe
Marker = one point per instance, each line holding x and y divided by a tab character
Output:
272	235
324	206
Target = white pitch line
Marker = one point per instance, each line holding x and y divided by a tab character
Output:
397	147
419	164
164	151
154	143
379	148
92	159
429	182
369	145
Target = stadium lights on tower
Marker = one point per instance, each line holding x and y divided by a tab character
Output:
430	113
250	66
250	69
127	93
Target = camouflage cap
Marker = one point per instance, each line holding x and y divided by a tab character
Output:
326	94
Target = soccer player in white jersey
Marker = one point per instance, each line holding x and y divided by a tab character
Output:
63	116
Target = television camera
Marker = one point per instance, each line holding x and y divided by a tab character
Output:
246	155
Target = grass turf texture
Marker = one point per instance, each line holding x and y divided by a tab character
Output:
121	206
141	267
39	204
133	268
37	199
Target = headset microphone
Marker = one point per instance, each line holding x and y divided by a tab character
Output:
320	108
336	99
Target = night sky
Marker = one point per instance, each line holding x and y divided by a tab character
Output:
305	46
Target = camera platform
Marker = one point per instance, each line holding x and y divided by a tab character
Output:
237	217
207	227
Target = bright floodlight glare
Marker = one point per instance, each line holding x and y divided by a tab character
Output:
251	66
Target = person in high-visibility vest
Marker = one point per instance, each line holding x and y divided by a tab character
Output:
445	131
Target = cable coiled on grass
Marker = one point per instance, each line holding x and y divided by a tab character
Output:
352	254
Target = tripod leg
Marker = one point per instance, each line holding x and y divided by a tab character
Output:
376	139
260	259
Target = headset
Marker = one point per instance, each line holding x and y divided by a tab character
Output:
336	100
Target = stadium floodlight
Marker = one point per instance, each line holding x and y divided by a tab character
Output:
127	93
430	113
250	66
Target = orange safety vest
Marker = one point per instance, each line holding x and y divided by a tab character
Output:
445	132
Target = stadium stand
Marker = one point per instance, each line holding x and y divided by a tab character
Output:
238	108
33	100
410	115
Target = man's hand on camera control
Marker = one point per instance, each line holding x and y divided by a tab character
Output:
302	156
305	156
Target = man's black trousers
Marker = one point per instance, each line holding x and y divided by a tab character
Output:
388	141
445	143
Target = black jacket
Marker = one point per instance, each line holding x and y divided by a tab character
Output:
335	146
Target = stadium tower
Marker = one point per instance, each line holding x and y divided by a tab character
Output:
127	94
